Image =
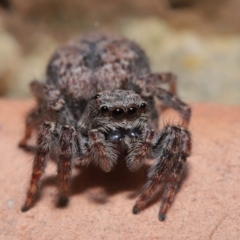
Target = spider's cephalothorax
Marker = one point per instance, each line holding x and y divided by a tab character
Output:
115	110
119	118
98	106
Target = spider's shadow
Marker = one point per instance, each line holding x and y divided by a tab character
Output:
112	183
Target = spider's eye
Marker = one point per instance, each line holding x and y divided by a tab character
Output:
118	113
143	105
132	113
104	110
96	96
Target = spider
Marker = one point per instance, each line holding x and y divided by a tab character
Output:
98	105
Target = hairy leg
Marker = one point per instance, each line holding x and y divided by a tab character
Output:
174	102
50	106
43	146
33	120
149	87
170	188
164	78
67	151
170	149
55	110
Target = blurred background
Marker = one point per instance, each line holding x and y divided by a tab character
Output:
199	40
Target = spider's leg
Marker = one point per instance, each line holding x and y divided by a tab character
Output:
139	151
50	106
149	88
67	151
102	152
33	120
35	117
164	78
171	186
170	149
43	147
174	102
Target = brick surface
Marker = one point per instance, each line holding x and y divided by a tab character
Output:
207	205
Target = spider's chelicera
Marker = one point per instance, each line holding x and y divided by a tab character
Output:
98	106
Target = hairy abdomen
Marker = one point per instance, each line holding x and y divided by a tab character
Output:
96	63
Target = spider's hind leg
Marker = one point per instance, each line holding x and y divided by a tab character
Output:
170	149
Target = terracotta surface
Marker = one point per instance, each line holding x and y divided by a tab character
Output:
207	205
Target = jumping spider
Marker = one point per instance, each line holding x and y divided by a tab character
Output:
98	105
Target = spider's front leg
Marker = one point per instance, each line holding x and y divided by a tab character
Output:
170	149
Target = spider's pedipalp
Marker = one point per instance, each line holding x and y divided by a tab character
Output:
102	152
139	151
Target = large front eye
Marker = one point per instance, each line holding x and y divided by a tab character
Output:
104	110
118	113
132	113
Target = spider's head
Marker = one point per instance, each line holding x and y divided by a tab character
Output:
118	109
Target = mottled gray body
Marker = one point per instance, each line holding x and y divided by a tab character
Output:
96	63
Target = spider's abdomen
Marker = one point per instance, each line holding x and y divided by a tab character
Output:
96	63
